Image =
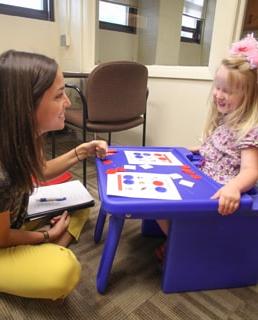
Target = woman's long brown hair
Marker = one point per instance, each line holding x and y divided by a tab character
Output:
24	77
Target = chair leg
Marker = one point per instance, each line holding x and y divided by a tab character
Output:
109	138
144	131
53	138
84	170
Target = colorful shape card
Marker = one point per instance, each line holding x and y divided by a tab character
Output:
142	185
152	158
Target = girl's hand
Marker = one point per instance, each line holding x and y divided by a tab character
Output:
194	149
229	199
59	226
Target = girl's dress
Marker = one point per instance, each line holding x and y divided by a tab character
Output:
222	152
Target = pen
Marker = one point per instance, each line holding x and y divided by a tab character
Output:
51	199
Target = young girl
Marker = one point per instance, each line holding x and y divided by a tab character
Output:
32	102
230	147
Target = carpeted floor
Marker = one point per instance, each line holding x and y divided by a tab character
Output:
134	286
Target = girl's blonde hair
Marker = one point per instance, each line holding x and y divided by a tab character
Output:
245	117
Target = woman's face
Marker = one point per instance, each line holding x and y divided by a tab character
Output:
50	113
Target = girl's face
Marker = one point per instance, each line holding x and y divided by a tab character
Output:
50	113
225	96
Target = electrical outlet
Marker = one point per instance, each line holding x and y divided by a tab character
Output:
64	40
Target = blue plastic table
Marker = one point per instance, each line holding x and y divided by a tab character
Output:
204	250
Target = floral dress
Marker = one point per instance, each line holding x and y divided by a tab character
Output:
222	152
12	200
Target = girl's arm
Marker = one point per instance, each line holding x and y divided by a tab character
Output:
64	162
12	237
194	149
230	194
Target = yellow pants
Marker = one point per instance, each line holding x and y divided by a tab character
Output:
42	271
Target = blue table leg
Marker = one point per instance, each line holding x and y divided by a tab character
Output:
99	225
109	251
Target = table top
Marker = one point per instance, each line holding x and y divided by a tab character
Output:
195	199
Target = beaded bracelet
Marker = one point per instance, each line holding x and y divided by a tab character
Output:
75	151
46	236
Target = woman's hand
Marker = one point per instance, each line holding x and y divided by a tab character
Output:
59	226
229	199
95	148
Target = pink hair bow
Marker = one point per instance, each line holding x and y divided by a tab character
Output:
247	47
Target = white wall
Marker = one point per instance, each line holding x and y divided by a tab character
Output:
148	24
69	16
190	54
169	30
29	35
207	32
126	46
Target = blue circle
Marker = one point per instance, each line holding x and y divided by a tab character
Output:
128	181
137	153
138	156
128	176
161	189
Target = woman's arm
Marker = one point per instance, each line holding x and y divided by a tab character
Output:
12	237
230	194
64	162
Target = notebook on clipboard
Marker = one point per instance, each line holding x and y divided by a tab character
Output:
54	199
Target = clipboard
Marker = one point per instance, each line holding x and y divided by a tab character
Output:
75	196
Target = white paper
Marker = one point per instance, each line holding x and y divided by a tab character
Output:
186	183
142	185
74	191
152	158
130	166
175	176
146	166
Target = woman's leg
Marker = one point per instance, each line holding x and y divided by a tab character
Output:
77	222
45	271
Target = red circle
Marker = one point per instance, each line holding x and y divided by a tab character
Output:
158	183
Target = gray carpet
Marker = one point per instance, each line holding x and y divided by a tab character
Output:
134	285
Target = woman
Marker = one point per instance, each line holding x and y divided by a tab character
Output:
33	102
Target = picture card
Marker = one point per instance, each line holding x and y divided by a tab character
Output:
142	185
151	158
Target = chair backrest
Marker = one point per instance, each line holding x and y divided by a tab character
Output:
116	91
